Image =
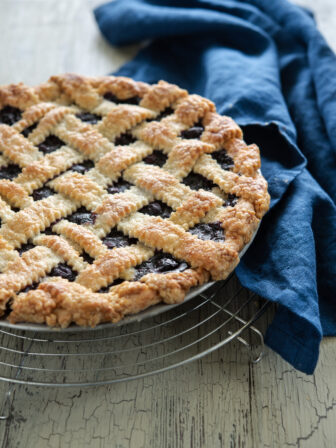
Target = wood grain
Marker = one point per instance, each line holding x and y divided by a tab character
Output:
222	400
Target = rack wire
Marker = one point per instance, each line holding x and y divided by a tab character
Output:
111	354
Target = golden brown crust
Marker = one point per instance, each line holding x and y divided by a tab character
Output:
162	95
53	108
220	129
192	108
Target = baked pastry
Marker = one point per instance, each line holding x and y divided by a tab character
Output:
117	195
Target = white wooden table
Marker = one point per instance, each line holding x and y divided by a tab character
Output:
219	401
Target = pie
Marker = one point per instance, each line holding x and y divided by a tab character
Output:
116	195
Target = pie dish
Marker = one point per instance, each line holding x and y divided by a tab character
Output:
116	195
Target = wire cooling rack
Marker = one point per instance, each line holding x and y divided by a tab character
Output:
112	354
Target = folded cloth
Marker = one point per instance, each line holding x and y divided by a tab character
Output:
265	64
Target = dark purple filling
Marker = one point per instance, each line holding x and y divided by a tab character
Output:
194	132
29	129
133	100
25	247
159	263
10	115
156	158
9	171
82	167
64	271
105	289
212	231
42	193
87	258
87	117
167	111
50	144
231	200
124	139
118	239
222	157
30	287
82	216
196	181
119	186
157	208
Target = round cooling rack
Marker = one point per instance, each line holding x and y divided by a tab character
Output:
108	355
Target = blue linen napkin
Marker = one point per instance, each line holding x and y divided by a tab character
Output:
265	64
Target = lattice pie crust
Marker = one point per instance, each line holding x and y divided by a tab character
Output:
116	195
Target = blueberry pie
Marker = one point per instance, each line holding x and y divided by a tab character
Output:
116	195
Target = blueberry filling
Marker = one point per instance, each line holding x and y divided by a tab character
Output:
50	144
87	258
196	181
82	216
10	115
119	186
82	167
87	117
157	208
28	130
30	287
9	171
160	263
25	247
231	200
118	239
124	139
212	231
193	132
133	100
64	271
42	193
222	157
156	158
167	111
105	289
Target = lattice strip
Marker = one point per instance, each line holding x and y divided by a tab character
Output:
35	175
17	148
184	155
194	208
82	236
6	212
116	207
79	188
29	222
14	194
246	158
121	157
110	265
83	137
209	168
63	249
48	123
32	115
25	270
122	118
161	184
